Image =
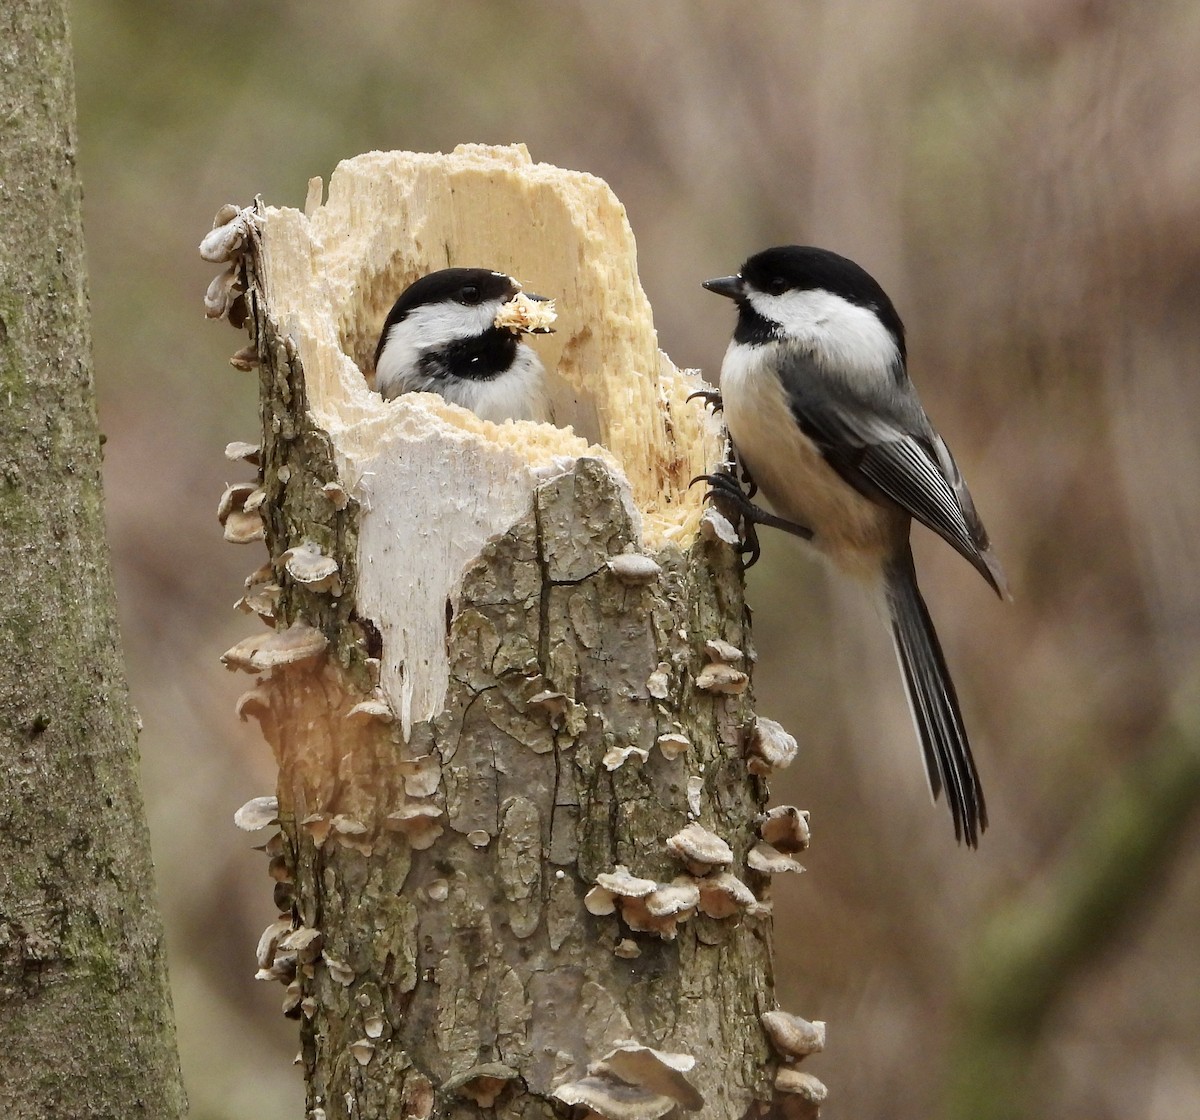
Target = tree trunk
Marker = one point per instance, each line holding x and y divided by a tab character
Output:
85	1013
524	858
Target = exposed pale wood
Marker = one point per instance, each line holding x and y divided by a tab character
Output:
329	280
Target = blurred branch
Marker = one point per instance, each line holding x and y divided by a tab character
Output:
1039	945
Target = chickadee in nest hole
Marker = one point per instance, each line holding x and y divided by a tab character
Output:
824	419
457	332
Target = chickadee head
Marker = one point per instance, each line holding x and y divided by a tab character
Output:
442	336
816	299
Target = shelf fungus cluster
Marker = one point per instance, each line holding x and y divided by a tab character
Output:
798	1093
709	887
505	671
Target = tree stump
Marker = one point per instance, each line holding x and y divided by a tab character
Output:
524	853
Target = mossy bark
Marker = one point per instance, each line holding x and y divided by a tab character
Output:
85	1013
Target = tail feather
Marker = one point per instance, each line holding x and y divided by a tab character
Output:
934	704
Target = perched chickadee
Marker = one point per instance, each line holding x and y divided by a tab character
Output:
822	414
441	336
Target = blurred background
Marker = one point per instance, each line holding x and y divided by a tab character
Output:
1023	177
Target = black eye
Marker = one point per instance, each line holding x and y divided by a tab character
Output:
776	286
469	295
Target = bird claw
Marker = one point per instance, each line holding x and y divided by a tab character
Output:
724	489
711	397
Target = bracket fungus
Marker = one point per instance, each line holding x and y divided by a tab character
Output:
615	884
276	650
635	568
257	813
420	823
564	712
716	526
336	493
242	451
338	970
224	290
610	1098
786	829
672	744
481	1084
699	850
718	677
669	903
770	861
373	1025
371	709
794	1038
261	600
717	649
318	826
634	1082
800	1094
616	757
421	775
245	359
646	906
268	947
237	513
658	683
305	942
231	228
723	895
770	747
345	825
660	1071
307	564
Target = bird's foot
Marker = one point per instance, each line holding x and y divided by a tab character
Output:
732	503
725	491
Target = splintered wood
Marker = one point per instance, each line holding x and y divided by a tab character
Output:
330	277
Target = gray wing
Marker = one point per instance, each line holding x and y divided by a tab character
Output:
878	438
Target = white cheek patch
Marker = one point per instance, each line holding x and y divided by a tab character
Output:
423	329
842	336
432	325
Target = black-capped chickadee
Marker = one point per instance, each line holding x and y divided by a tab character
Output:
441	336
822	414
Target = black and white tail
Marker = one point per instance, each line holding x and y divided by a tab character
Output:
934	703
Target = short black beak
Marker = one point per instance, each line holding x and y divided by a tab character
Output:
730	286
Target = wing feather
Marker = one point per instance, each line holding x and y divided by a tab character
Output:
875	434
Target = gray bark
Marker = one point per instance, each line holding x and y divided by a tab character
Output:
85	1014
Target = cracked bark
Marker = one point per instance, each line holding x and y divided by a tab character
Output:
445	842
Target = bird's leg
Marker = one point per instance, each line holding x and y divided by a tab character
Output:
712	398
725	490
